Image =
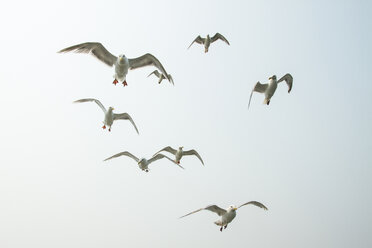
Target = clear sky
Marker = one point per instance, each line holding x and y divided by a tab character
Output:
306	156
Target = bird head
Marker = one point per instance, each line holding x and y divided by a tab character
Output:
110	109
141	160
181	147
232	208
273	77
122	57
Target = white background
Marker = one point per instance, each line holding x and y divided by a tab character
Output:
305	156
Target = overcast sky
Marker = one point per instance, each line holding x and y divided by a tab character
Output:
306	156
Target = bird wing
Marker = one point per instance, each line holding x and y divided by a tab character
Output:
125	116
199	40
288	79
92	100
213	208
258	204
96	49
160	156
168	149
145	60
125	154
219	36
170	79
156	72
261	88
193	152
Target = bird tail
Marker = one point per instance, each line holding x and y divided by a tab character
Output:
266	101
218	223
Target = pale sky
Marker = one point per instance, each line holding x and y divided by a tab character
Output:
305	156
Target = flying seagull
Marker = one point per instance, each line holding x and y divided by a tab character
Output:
142	163
269	88
180	153
122	63
110	116
208	40
161	76
226	215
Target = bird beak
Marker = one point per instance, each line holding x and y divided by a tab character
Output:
112	108
270	78
235	209
121	58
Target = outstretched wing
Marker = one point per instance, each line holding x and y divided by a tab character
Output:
123	154
160	156
219	36
92	100
199	40
125	116
193	152
145	60
213	208
168	149
288	79
258	204
261	88
156	72
96	49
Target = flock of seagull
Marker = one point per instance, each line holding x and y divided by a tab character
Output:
122	65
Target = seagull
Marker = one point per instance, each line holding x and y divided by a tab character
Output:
269	88
226	215
142	163
180	153
208	40
122	63
110	116
161	76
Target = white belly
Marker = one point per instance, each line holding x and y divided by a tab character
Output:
121	71
144	165
109	119
270	90
178	156
228	217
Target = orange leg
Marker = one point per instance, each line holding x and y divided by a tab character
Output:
125	83
104	127
115	82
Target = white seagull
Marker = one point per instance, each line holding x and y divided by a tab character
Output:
161	76
269	88
122	63
180	153
227	215
142	163
208	40
110	116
